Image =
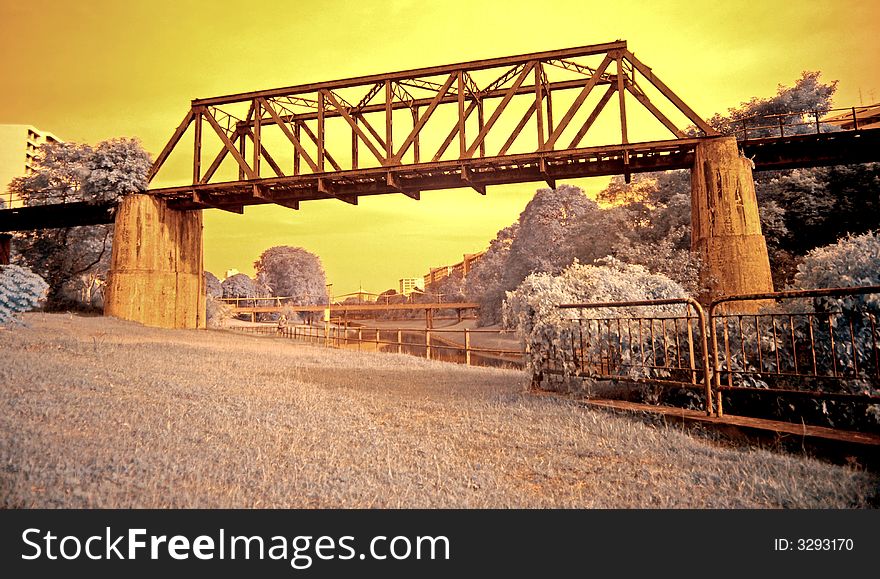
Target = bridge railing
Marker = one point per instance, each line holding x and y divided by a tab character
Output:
810	354
802	123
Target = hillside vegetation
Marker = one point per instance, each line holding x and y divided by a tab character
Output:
95	412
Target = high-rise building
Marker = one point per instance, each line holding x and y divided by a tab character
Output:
408	284
18	152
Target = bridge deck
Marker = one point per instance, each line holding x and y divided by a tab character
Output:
772	153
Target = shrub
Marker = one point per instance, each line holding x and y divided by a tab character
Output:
547	332
217	312
20	290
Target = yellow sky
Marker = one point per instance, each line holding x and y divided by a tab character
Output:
93	70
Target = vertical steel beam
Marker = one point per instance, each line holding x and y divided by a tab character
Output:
296	134
484	130
197	149
621	93
389	137
354	145
258	117
242	150
480	124
539	104
415	118
319	139
462	140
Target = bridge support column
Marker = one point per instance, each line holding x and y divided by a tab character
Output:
726	229
156	272
5	248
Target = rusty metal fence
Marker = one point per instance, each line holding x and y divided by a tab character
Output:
666	348
451	345
815	351
813	354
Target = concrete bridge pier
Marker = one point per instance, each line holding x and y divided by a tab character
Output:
726	229
156	272
5	248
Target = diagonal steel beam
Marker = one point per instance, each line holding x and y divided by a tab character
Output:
646	102
314	139
163	156
287	133
481	136
424	119
667	92
522	123
265	154
459	124
229	144
360	117
354	126
578	101
593	115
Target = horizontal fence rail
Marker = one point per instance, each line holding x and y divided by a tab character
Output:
431	343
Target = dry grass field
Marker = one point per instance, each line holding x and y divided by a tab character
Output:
96	412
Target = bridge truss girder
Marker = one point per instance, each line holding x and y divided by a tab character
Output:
385	158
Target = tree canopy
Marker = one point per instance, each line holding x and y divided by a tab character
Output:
78	172
806	95
75	261
292	272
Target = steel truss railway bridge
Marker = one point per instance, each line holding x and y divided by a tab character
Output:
525	118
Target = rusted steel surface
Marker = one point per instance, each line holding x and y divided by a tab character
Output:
841	446
614	347
288	145
767	351
258	131
802	349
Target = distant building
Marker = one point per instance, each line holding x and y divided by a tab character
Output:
410	284
231	272
18	155
458	270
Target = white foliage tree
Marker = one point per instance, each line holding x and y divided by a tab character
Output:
293	272
546	330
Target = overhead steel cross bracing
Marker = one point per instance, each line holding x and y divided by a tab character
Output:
428	128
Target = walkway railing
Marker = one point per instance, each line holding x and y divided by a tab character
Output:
813	354
805	122
452	345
